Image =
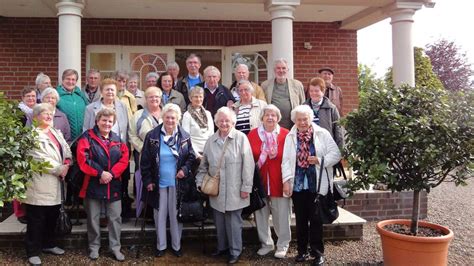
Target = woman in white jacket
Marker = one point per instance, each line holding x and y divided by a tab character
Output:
305	145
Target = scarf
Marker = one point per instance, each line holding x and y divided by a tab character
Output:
199	115
171	141
269	144
304	139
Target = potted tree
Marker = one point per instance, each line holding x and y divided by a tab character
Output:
411	139
16	166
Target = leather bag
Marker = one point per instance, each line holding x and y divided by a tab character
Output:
190	212
326	207
63	223
256	196
210	183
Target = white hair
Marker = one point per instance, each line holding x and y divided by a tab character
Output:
40	78
171	107
227	112
248	84
151	74
48	91
280	61
302	109
270	108
172	65
241	65
210	69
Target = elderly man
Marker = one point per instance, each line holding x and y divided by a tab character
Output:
42	82
241	72
193	64
333	92
283	92
215	95
150	80
92	90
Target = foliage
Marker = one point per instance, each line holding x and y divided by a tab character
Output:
424	75
450	64
411	139
16	166
367	79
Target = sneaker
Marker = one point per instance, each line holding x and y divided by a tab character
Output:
94	255
281	253
54	251
264	250
35	260
118	255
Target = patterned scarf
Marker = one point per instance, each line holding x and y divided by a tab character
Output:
269	145
199	115
304	139
171	142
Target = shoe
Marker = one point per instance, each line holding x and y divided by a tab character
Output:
22	220
159	253
118	255
280	253
103	222
264	250
318	261
301	257
233	259
54	251
93	255
178	253
218	253
35	260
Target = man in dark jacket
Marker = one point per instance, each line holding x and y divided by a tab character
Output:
215	95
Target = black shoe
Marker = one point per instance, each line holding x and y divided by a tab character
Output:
159	253
218	253
22	220
301	257
233	259
318	261
177	253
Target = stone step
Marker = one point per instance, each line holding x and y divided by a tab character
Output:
347	227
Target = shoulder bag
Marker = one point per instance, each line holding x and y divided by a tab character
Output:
210	183
325	206
256	196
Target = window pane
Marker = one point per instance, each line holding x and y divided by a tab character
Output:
104	62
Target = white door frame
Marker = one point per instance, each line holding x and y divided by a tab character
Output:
227	62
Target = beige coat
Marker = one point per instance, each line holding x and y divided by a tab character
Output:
236	173
44	189
136	138
295	87
257	107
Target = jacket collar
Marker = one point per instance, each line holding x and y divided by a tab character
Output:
231	135
316	128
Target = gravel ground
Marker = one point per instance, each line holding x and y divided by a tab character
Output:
447	205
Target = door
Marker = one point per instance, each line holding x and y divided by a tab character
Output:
254	56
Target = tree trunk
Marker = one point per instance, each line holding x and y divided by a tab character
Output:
415	212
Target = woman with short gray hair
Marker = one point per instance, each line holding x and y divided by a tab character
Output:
248	108
60	122
42	82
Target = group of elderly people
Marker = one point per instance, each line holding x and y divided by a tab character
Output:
168	134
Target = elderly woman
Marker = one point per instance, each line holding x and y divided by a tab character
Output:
151	78
197	120
60	122
102	157
236	175
28	101
166	83
132	87
122	93
267	147
248	108
42	82
43	193
167	157
72	101
325	112
304	147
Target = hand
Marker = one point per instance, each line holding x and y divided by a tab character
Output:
106	177
180	174
313	160
230	103
150	187
287	191
244	195
65	169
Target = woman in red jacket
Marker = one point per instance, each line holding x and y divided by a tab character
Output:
102	158
267	147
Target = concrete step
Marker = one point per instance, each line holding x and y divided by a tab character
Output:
347	227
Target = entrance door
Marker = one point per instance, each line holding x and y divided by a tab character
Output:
254	56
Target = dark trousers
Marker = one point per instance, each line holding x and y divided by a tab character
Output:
308	226
40	228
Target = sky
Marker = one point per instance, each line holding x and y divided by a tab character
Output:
449	19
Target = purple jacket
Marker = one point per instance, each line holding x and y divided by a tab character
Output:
61	123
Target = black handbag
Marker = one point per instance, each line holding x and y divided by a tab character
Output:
191	212
63	223
256	196
325	206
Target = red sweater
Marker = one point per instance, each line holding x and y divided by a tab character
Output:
272	167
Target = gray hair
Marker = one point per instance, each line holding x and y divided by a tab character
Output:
133	76
152	74
41	107
172	65
171	107
210	69
120	74
191	56
246	83
302	109
40	78
93	71
270	108
227	112
195	90
48	91
280	61
241	65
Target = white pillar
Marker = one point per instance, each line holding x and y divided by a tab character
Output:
69	39
282	29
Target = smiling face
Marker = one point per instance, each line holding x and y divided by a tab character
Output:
174	71
193	64
302	121
315	93
270	120
93	80
327	76
281	71
244	93
153	100
170	121
224	123
69	82
166	83
109	92
105	124
132	86
45	119
51	99
29	99
197	100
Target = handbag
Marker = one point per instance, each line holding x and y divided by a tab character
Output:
340	191
325	206
256	196
63	223
190	212
210	183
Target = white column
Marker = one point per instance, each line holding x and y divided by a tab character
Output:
69	46
282	29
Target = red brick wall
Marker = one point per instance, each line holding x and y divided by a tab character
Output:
29	45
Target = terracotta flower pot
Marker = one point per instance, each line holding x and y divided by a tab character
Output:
399	249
